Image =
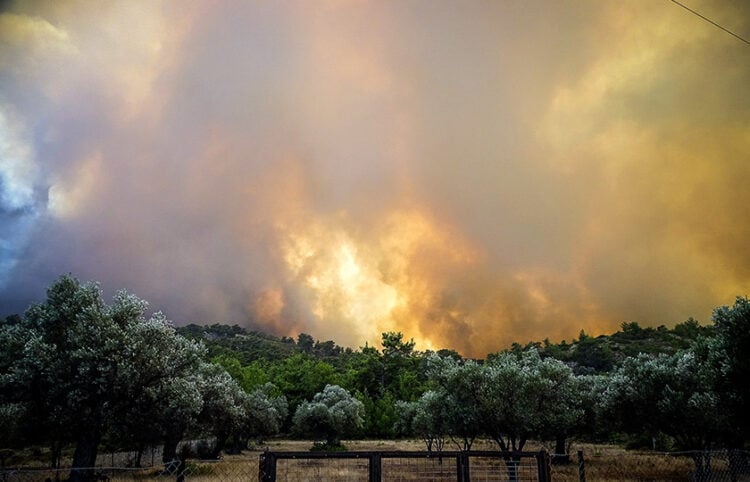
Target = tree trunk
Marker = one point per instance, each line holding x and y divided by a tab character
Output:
84	457
501	443
333	440
521	443
560	456
139	455
56	452
169	452
221	442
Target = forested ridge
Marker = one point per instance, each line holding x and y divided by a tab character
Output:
78	372
587	354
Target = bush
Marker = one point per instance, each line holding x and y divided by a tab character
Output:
326	447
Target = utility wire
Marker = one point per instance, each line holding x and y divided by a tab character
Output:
710	21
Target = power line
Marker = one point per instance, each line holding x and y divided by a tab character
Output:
710	21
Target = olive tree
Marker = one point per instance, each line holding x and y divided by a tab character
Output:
459	391
16	400
522	396
331	414
430	420
266	410
672	395
233	415
563	403
728	354
83	363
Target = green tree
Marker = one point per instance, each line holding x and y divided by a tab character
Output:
524	396
83	364
515	394
16	397
300	377
460	386
395	346
402	368
248	377
233	415
591	355
430	420
729	354
331	414
364	372
563	404
672	395
305	342
380	415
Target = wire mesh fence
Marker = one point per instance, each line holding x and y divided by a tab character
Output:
428	468
313	470
194	470
405	466
600	464
492	469
613	464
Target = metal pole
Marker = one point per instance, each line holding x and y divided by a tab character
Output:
543	466
267	467
464	467
376	471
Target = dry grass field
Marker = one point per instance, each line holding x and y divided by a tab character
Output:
602	463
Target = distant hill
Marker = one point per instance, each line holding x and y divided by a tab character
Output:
586	354
602	353
251	345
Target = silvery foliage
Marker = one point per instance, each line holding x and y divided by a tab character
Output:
332	413
670	394
459	392
279	407
404	425
83	364
728	352
509	398
525	396
430	420
76	366
229	409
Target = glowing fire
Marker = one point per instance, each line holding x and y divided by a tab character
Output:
384	280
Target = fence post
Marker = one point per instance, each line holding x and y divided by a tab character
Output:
181	465
376	470
463	467
543	466
581	467
267	467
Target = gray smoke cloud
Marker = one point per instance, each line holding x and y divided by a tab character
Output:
469	174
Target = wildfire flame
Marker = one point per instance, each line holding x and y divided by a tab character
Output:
366	284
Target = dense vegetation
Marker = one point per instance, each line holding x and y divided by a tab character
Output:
77	371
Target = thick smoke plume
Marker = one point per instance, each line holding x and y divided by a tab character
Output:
470	175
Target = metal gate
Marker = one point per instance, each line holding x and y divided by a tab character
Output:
405	466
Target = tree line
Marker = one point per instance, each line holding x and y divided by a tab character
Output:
77	371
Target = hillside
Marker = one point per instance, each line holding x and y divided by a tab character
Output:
586	354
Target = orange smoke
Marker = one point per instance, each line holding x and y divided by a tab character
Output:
405	270
359	285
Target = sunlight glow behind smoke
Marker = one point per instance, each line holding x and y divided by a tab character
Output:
366	285
468	175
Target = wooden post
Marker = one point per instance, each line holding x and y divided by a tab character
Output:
543	466
581	467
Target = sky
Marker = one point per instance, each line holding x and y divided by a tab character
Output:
467	173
